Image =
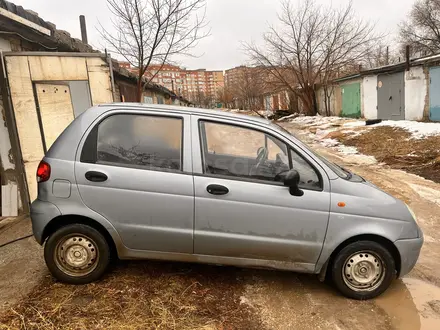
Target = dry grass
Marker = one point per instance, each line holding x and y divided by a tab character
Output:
395	147
140	295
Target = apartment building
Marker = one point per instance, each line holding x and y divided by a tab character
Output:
169	76
235	75
199	86
204	86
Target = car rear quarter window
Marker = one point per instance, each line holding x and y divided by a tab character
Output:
150	142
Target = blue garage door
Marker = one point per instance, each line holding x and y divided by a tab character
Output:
434	93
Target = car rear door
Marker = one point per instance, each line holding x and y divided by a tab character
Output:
134	168
241	211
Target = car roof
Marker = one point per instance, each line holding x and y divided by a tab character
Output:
188	110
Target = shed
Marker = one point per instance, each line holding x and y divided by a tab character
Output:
47	91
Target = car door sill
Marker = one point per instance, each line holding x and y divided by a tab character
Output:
217	260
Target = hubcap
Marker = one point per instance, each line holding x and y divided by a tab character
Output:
363	271
76	255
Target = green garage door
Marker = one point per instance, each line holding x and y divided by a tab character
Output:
351	100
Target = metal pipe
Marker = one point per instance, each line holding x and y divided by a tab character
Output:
82	23
112	77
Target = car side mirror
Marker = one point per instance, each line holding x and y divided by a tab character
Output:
291	180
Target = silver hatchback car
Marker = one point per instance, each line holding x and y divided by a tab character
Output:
161	182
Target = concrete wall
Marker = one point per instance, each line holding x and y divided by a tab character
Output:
416	89
320	100
335	100
369	97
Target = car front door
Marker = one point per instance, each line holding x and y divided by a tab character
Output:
134	169
242	210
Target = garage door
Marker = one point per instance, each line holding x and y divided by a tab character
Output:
391	96
434	93
351	100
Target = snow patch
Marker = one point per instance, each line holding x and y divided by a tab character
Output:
285	118
430	194
329	143
347	150
360	159
353	124
316	120
417	129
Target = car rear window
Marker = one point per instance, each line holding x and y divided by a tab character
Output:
150	142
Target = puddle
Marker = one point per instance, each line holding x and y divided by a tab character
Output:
412	304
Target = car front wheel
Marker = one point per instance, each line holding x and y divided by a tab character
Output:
363	270
77	254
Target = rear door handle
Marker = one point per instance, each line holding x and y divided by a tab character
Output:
96	176
216	189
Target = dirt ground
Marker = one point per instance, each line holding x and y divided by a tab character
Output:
21	263
394	147
163	295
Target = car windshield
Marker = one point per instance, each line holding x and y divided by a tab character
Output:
339	171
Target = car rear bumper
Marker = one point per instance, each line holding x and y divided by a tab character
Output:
409	250
41	214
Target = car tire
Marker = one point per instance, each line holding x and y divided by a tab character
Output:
363	270
77	254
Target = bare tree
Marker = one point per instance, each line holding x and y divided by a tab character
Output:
201	98
247	88
311	45
225	96
149	32
422	28
380	55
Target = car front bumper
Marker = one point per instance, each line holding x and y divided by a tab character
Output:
409	250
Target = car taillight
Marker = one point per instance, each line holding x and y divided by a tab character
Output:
43	172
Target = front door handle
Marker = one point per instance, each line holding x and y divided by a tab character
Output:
96	176
216	189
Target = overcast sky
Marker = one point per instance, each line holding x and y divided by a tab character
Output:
231	22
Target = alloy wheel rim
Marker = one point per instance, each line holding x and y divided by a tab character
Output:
76	255
364	271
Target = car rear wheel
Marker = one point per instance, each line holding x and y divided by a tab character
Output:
363	270
77	254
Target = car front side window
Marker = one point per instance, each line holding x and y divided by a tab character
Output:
308	175
237	151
